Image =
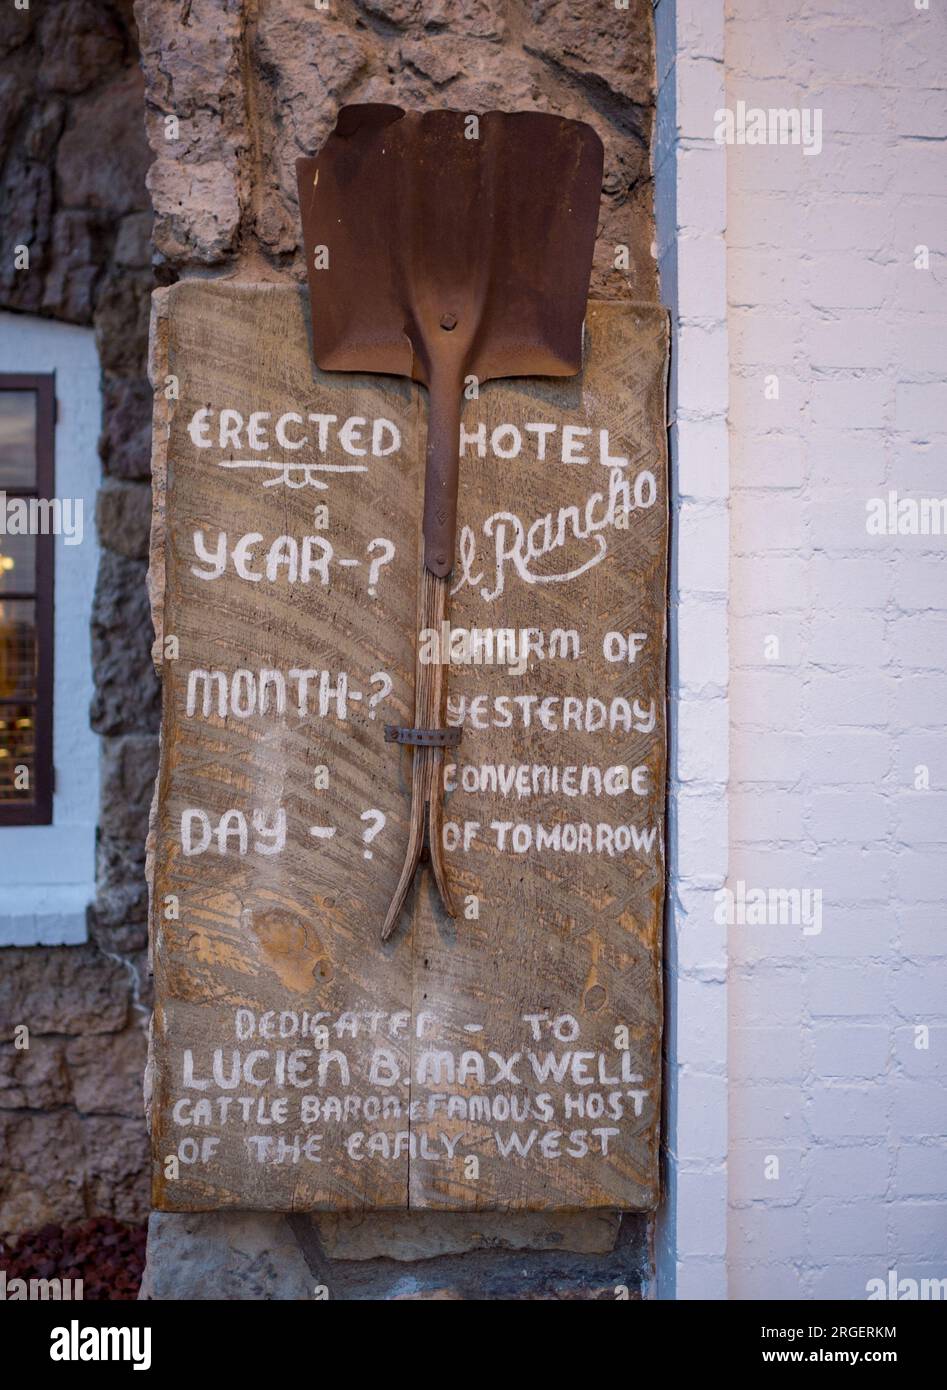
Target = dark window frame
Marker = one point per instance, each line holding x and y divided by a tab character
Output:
39	809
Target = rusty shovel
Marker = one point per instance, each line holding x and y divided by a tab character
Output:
447	248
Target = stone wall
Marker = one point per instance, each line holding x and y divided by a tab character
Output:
236	90
72	1137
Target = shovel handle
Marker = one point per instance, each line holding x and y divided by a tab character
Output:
441	472
427	773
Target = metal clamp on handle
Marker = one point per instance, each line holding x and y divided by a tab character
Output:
422	738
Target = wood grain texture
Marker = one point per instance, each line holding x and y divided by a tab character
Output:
429	1050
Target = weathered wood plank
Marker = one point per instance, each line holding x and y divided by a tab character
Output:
573	932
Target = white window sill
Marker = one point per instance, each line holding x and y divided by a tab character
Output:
47	915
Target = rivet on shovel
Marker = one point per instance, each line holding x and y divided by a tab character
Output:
416	216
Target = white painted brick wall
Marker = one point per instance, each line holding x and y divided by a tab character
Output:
824	740
690	183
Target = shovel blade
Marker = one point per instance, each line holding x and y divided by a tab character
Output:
443	242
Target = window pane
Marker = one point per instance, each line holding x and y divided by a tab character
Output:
17	651
17	440
17	564
17	748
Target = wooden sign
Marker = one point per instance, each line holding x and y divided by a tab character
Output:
506	1059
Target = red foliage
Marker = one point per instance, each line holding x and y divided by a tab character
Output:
107	1255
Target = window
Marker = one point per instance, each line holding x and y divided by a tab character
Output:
48	828
27	420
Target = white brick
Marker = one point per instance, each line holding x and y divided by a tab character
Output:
847	875
702	829
764	277
855	933
921	1169
700	28
771	1112
836	517
768	461
863	1169
844	1280
924	1061
752	644
845	49
836	758
919	992
849	165
847	1112
702	290
700	92
921	407
847	280
699	449
766	1054
921	927
702	642
861	402
921	112
764	523
918	1107
862	701
847	640
761	758
767	996
917	466
700	745
844	1228
922	585
920	750
852	584
755	409
763	338
841	991
919	344
761	817
764	1282
853	459
774	221
702	189
847	225
921	817
701	1106
768	1232
779	585
851	1050
702	1214
852	342
770	699
918	641
701	556
918	1231
699	372
919	164
760	47
920	876
749	1164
